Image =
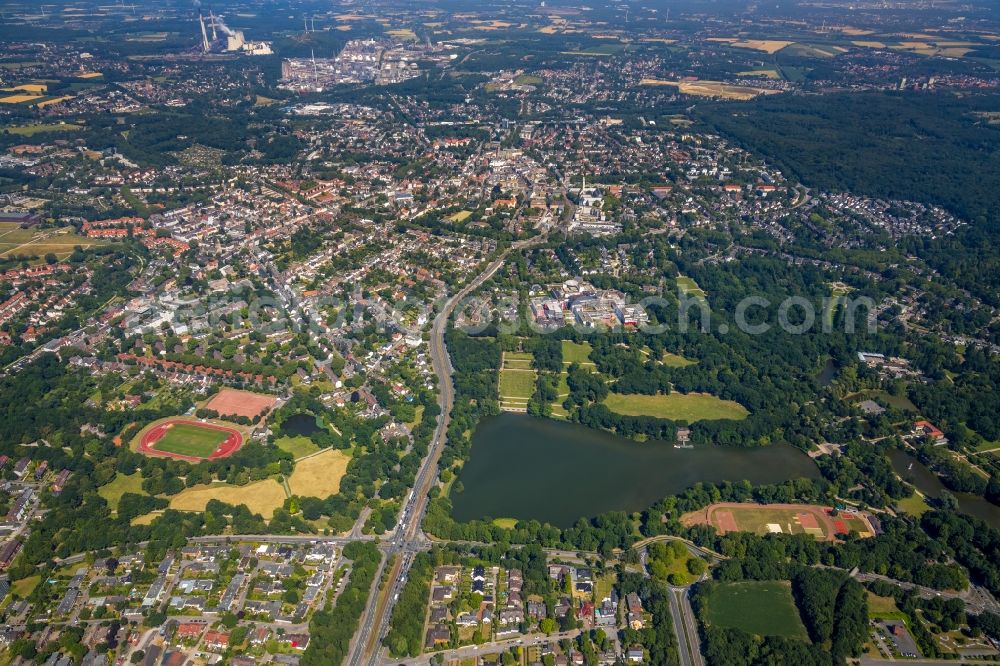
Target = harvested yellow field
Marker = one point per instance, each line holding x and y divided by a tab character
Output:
492	25
54	100
723	40
146	518
765	45
319	475
711	89
29	87
761	73
853	32
17	99
870	45
658	40
953	52
90	75
262	497
404	33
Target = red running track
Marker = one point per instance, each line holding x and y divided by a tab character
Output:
230	446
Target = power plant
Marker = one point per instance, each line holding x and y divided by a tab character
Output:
231	41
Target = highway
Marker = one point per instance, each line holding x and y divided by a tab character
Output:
685	627
408	537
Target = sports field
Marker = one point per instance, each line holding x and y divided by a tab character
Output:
319	475
764	608
517	381
16	242
189	440
817	521
240	403
688	407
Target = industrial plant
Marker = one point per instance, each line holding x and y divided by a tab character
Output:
226	40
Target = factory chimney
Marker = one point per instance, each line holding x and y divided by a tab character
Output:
204	35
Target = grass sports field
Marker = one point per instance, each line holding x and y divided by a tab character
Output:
688	407
764	608
319	475
18	242
517	381
190	440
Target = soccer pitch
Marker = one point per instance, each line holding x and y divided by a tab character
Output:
191	440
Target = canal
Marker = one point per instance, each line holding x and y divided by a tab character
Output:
923	479
557	472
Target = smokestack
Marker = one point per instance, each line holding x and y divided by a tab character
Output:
204	35
215	36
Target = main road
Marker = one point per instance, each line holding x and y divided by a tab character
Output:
409	537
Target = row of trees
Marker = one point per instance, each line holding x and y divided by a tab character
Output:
331	630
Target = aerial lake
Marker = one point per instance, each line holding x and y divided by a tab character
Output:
300	425
556	472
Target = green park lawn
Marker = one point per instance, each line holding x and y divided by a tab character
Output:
191	440
688	407
915	505
764	608
299	446
576	352
517	384
122	483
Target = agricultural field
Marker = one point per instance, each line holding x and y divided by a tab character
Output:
122	483
761	73
764	608
768	46
299	446
712	89
319	475
261	497
18	242
517	381
688	407
40	128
